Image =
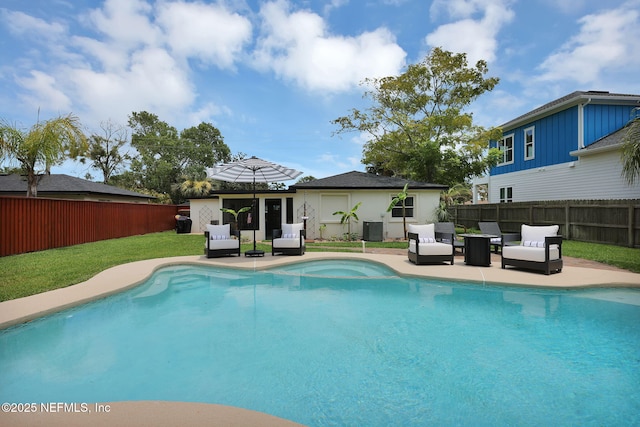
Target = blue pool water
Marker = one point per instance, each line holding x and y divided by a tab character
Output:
356	345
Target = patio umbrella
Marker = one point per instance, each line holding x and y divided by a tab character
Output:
252	170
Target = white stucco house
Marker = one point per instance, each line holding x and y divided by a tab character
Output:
315	202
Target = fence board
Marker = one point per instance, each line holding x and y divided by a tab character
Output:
614	222
33	224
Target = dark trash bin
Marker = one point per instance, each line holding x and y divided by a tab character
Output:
183	224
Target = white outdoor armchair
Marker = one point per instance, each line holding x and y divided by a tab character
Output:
540	248
289	240
426	245
219	242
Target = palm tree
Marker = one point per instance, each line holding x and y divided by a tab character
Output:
347	216
401	197
46	144
631	148
235	214
456	195
195	188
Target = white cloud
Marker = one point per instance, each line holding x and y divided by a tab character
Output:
45	92
606	42
24	25
338	162
470	34
153	82
126	23
297	46
206	31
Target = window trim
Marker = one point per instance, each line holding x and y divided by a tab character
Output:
532	143
411	208
501	145
506	194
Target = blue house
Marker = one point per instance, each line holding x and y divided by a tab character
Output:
568	149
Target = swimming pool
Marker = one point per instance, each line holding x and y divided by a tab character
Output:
356	346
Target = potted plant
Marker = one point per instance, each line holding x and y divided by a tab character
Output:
234	224
347	216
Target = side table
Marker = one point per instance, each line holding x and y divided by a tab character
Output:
477	249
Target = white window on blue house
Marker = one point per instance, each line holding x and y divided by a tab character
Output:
529	143
506	146
506	194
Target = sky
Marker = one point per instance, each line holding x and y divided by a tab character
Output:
271	75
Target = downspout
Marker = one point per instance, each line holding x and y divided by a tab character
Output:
581	124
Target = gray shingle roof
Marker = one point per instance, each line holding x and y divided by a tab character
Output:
362	180
607	142
569	100
59	183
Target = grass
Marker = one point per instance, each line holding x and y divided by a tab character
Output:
33	273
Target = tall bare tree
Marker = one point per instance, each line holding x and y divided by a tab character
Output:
106	150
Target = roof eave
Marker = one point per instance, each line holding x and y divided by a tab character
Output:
573	101
591	151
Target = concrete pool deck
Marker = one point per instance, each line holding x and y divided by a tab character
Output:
116	279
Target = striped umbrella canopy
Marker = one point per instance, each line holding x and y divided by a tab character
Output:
252	170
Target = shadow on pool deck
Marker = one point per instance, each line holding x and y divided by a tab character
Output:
575	274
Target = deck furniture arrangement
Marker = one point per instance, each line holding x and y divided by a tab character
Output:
427	246
218	241
449	228
492	227
477	249
540	248
289	240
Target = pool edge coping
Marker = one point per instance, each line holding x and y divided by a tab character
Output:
126	276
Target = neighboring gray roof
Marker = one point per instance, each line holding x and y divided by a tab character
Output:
608	142
362	180
66	184
570	100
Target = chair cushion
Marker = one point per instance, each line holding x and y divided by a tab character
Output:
292	229
424	231
528	253
436	248
290	236
287	243
223	244
538	233
219	230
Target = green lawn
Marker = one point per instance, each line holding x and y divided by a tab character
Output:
36	272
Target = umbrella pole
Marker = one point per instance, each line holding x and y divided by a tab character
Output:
254	252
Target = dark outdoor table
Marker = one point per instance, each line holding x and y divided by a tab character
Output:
477	249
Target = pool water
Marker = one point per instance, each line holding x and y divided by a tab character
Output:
357	346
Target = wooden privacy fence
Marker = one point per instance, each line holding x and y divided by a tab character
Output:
615	222
35	224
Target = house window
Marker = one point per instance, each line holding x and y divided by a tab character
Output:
396	212
529	143
506	146
246	220
506	194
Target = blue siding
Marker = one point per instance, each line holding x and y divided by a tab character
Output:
555	137
601	120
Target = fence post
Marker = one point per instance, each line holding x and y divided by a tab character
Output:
567	219
631	229
531	215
